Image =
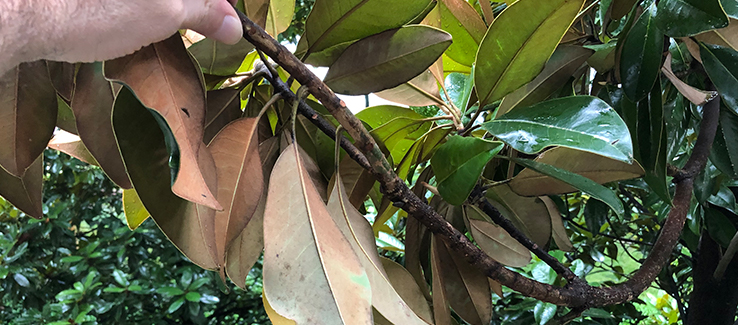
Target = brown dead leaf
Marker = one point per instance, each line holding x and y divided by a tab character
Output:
72	145
164	78
25	193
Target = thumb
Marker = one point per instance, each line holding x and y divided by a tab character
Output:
215	19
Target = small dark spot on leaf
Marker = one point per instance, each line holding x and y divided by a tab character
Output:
186	111
203	195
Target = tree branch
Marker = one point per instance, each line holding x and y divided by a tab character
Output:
574	294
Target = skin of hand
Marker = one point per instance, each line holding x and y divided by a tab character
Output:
97	30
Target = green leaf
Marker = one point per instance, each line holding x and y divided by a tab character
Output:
176	305
724	152
584	184
193	296
217	58
458	163
21	280
332	22
683	18
559	68
170	291
721	65
120	277
387	59
396	127
518	43
580	122
460	19
640	60
730	7
71	259
112	289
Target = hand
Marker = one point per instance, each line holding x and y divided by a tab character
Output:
97	30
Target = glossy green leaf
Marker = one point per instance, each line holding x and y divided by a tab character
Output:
134	209
721	64
640	60
217	58
188	226
396	127
460	20
724	153
518	43
730	7
387	59
648	131
27	115
584	184
458	163
682	18
332	22
581	122
559	68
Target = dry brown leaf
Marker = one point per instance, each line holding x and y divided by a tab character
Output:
527	214
466	287
403	283
495	241
359	233
62	77
310	271
696	96
240	180
27	115
441	308
223	107
164	78
693	48
25	193
92	104
419	91
595	167
72	145
557	225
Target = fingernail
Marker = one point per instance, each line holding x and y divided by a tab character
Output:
230	32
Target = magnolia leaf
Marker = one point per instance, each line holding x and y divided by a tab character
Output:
357	181
274	317
246	249
187	225
27	116
595	167
386	60
406	287
724	153
620	8
641	56
323	280
582	183
458	163
696	96
359	233
682	18
727	36
62	77
219	59
441	308
25	193
240	179
420	91
223	107
166	80
579	122
466	287
721	64
528	214
279	16
518	43
333	22
558	232
495	241
559	68
72	145
92	105
459	18
65	116
256	10
395	127
134	209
